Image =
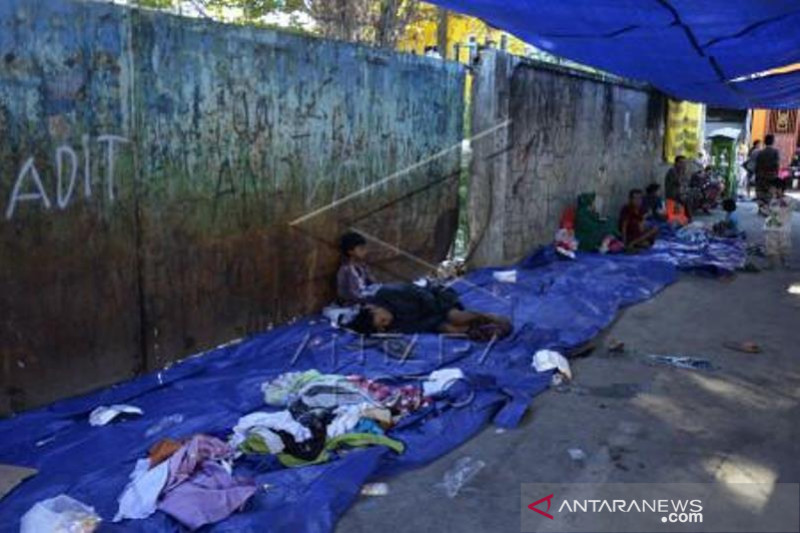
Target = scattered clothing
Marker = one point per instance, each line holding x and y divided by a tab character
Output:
140	497
367	425
349	440
211	494
346	418
331	391
400	400
200	489
282	389
163	450
268	426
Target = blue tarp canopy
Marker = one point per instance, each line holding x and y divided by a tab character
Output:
690	50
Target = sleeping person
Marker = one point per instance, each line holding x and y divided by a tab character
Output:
409	308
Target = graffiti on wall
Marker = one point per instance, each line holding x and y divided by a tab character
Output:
29	187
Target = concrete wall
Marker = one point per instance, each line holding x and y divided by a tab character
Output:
547	134
150	167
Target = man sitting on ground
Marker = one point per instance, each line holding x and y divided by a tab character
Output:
676	185
631	224
408	308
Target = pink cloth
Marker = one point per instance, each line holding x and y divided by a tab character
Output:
199	490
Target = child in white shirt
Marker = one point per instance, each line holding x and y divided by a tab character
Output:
778	227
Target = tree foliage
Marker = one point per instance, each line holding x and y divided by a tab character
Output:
377	22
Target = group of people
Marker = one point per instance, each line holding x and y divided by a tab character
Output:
434	308
646	211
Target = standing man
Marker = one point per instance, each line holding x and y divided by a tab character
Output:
768	162
750	165
676	184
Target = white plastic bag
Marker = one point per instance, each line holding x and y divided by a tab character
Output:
61	514
545	360
506	276
103	415
440	380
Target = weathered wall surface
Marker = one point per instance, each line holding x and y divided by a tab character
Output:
556	133
151	167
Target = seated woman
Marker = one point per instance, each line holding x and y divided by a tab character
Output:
635	234
590	229
408	308
354	281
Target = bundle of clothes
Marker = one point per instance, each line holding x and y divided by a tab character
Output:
321	417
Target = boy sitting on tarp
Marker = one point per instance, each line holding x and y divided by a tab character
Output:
593	232
354	281
729	226
635	234
409	308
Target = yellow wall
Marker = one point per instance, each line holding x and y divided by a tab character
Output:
683	135
758	127
459	30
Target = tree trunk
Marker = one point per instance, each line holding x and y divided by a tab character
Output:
441	32
387	24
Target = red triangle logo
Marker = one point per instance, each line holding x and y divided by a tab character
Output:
547	499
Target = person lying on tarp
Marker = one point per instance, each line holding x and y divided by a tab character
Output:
635	233
354	281
409	308
592	231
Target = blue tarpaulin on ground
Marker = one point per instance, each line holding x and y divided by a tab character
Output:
707	254
554	304
691	50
